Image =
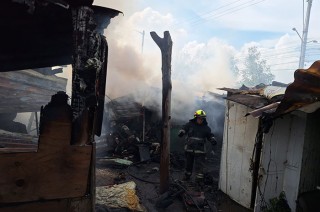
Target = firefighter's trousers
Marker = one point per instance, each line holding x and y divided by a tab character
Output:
196	161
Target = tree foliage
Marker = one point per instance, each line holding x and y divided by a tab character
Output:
255	70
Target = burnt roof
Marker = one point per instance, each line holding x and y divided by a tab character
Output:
305	90
252	101
36	34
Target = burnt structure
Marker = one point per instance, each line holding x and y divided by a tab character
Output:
58	175
130	128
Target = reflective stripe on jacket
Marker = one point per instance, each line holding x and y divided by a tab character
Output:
196	136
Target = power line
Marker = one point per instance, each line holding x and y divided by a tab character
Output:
223	11
217	13
203	14
274	53
285	69
227	12
277	64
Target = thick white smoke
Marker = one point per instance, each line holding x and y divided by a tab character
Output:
196	67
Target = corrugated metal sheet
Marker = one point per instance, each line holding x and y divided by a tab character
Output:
125	107
252	101
305	90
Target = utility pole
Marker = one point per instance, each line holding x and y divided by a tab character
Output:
165	45
142	43
305	36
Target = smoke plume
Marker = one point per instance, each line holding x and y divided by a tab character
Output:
134	65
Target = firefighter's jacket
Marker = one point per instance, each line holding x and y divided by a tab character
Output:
196	136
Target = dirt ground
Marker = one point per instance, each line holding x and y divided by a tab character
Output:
146	177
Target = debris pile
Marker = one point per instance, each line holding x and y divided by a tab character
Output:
132	130
131	148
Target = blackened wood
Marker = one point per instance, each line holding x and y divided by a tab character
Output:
101	86
256	163
89	76
165	45
82	32
84	70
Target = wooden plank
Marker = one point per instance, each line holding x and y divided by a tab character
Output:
14	144
311	158
81	204
59	205
63	205
17	149
238	143
224	156
92	185
57	170
236	153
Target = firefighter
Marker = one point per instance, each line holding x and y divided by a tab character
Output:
197	132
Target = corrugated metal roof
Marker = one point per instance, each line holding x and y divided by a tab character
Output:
252	101
305	90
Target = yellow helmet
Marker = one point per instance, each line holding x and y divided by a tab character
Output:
200	113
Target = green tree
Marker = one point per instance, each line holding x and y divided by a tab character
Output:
255	70
233	66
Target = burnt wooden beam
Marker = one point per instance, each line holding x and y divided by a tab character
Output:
89	76
165	45
84	69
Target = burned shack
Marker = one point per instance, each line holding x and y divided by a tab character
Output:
131	129
271	145
57	172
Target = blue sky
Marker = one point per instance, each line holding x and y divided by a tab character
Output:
206	33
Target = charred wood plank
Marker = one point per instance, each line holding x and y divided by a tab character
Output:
57	170
89	75
70	204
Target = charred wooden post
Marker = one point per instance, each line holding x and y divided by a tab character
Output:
165	45
82	29
256	163
89	69
88	83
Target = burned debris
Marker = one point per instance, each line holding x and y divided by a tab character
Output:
131	130
57	172
123	155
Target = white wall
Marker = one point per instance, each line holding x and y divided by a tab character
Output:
238	143
285	139
310	172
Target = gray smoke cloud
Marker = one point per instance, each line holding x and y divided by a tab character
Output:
196	67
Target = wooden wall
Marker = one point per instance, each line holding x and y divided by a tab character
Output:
310	172
281	159
53	176
238	143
